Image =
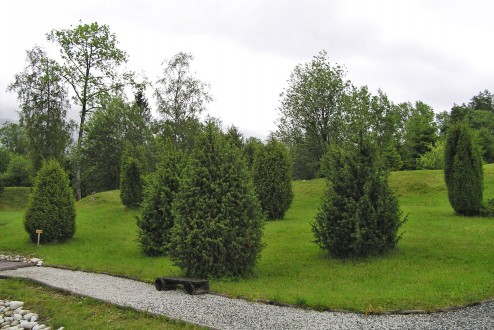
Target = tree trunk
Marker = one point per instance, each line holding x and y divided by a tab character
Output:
78	194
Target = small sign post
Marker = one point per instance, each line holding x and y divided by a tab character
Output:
39	232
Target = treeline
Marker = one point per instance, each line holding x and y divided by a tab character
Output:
321	108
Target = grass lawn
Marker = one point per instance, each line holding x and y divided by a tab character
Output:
442	259
58	309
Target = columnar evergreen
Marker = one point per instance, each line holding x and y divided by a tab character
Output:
272	177
463	171
157	219
218	219
131	182
359	215
51	208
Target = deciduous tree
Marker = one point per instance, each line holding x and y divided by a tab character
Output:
180	99
43	107
90	59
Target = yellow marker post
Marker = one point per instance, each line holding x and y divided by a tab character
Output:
39	232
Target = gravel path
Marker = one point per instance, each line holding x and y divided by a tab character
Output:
225	313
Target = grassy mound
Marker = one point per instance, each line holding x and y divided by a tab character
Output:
14	198
102	199
442	259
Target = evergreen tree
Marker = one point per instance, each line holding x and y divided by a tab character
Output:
359	215
51	207
131	183
272	177
157	219
218	220
234	136
251	148
463	171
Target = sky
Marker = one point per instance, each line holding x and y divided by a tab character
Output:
439	52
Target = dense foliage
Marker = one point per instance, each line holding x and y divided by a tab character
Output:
272	176
180	99
463	171
218	219
359	215
115	123
43	102
157	218
90	61
131	182
19	172
52	205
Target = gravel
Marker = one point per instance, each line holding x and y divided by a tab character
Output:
225	313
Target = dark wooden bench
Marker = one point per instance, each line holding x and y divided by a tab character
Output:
191	285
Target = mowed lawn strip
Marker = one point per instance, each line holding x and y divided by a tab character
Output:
57	309
441	260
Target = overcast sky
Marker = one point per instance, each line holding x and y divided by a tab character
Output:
439	52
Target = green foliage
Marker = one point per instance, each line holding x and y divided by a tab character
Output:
51	207
218	219
13	137
432	159
463	171
180	98
420	133
5	156
157	219
272	176
359	215
312	107
234	137
251	148
106	133
19	172
306	165
90	61
2	184
43	104
131	182
478	115
392	158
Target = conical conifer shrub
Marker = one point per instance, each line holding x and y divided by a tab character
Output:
463	171
359	215
218	220
272	175
52	205
157	220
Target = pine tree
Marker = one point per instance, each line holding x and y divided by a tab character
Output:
272	177
359	215
157	219
218	220
463	171
51	207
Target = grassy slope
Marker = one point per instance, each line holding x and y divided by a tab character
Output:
441	260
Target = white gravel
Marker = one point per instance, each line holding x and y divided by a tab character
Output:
225	313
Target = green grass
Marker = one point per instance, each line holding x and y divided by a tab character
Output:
442	259
58	309
14	198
